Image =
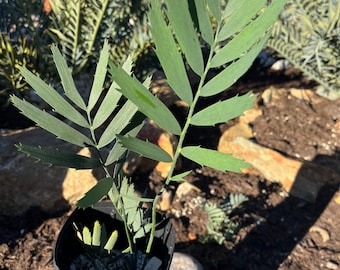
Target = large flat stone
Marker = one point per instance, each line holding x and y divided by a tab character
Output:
25	183
300	179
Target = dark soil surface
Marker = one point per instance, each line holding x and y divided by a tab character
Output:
277	231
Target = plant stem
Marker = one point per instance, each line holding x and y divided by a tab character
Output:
180	142
123	217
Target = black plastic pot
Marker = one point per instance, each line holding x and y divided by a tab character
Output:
68	247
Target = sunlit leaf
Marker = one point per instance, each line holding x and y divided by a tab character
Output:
223	111
51	96
146	149
214	159
215	8
108	106
131	201
51	123
111	242
233	72
204	21
96	193
96	234
237	15
87	239
179	15
115	198
247	37
118	149
166	50
180	177
118	123
147	103
59	158
66	78
99	77
111	98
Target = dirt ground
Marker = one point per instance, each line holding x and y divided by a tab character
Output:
278	231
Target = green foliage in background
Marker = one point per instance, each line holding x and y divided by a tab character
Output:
220	226
308	35
80	28
11	57
234	43
23	42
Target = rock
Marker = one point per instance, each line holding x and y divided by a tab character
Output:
300	179
164	203
184	188
281	65
181	261
337	198
304	94
239	130
250	115
77	182
273	93
332	265
324	233
25	184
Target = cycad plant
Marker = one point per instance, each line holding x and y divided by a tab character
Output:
12	55
22	42
219	226
79	27
241	31
308	35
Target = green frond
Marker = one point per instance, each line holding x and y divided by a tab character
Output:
307	35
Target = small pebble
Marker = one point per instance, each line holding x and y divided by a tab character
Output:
332	265
3	250
181	261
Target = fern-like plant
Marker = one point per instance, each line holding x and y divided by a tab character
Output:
80	27
219	226
11	57
308	35
22	42
240	33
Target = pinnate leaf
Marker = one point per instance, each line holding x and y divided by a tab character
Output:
146	149
214	159
215	8
168	54
96	193
51	123
204	21
179	15
99	77
247	37
223	111
66	78
51	96
56	157
118	123
237	14
233	72
147	103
